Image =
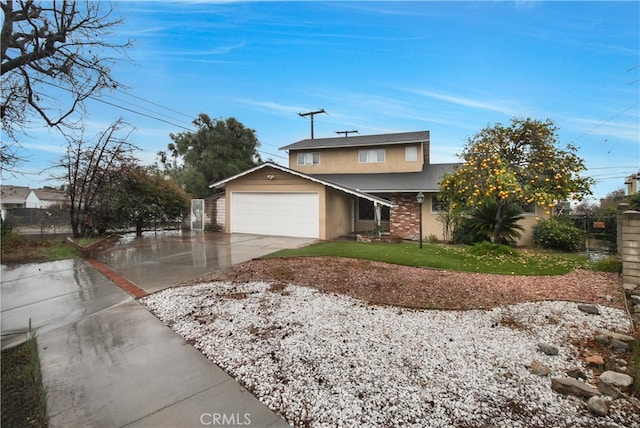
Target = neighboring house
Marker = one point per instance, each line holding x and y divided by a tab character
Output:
12	197
45	198
337	186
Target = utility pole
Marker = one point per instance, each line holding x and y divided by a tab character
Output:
346	133
312	113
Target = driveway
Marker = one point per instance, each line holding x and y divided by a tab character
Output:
106	360
155	262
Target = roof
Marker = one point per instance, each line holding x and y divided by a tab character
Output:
360	141
427	180
336	186
50	194
13	194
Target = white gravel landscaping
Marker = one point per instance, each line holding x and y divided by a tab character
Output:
328	360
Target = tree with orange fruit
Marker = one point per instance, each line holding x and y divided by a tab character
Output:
517	164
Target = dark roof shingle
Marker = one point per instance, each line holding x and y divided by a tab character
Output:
360	141
427	180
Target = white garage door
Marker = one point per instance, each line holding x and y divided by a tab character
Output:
282	214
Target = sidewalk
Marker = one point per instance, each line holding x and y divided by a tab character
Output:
108	362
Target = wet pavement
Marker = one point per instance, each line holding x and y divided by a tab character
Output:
107	361
51	295
155	262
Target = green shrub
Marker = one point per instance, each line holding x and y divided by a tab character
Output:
558	234
610	264
465	234
634	201
487	248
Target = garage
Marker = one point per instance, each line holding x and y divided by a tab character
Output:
273	213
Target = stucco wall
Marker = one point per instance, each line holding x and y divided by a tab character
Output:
338	213
259	181
346	161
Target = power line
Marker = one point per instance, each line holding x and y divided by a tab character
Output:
147	109
156	104
608	120
145	114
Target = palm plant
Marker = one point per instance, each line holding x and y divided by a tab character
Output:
501	227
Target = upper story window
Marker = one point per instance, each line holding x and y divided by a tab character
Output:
411	153
309	158
371	155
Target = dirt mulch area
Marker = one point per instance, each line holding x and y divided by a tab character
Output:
414	287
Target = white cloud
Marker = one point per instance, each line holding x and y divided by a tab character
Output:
500	107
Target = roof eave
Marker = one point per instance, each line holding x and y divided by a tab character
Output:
364	195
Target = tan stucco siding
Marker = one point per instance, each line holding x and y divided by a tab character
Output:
346	161
529	222
432	226
338	213
258	181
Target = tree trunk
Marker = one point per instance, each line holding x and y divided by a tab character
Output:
75	222
497	227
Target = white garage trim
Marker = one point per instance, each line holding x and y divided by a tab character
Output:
276	213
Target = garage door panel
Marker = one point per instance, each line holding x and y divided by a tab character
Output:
283	214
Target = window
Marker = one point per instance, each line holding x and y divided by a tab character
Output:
527	208
437	206
371	155
367	212
410	153
309	158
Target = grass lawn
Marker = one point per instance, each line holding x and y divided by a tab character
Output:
24	400
17	249
450	257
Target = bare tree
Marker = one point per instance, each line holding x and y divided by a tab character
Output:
91	168
55	55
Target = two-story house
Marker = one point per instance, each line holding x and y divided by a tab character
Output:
337	186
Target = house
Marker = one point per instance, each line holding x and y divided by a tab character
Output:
45	198
12	197
337	186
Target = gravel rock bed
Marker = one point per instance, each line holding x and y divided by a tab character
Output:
322	359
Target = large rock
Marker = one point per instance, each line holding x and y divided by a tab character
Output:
539	368
595	360
616	336
597	406
589	309
615	378
547	349
610	390
619	346
629	287
571	386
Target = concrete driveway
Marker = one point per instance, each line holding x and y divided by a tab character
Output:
107	361
154	262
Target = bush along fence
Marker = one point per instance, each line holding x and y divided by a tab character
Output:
629	249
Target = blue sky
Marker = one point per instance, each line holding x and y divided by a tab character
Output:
377	67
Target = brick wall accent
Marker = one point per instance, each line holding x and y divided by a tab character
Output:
405	217
425	152
629	245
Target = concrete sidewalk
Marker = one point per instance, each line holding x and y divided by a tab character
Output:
122	367
107	361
